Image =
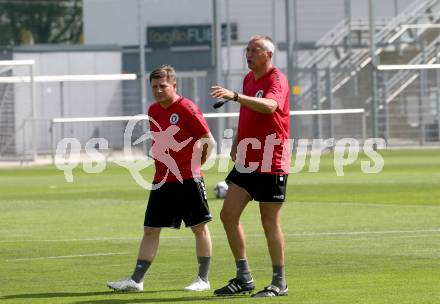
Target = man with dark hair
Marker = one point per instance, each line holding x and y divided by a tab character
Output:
260	173
164	71
178	127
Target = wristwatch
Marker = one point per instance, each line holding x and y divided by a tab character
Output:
235	98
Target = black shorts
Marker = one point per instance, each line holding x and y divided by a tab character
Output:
262	187
174	202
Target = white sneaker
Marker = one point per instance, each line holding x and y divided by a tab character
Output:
127	284
198	285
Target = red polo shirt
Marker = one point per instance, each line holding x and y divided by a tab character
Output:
190	122
270	130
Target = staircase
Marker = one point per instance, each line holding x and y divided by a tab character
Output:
346	63
340	67
402	79
391	87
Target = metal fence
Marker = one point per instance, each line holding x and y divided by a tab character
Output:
337	72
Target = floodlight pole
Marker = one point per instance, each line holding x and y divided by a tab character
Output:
142	56
373	68
289	42
292	64
62	112
142	84
329	95
396	13
423	89
228	81
228	43
34	112
349	44
347	12
437	48
218	66
274	28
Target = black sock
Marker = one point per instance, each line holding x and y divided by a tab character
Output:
243	271
204	267
279	278
140	270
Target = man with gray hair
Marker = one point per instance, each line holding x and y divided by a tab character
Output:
260	173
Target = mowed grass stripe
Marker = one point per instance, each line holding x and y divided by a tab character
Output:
355	239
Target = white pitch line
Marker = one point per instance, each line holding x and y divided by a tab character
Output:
69	256
103	239
305	234
392	205
298	234
342	233
371	237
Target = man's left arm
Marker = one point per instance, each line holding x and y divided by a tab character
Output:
200	131
208	144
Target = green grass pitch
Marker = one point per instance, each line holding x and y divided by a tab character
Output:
361	238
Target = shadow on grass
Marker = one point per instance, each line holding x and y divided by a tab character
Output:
161	300
77	294
119	300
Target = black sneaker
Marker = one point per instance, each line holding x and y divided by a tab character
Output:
271	291
234	287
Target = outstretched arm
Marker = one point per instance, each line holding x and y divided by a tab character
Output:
258	104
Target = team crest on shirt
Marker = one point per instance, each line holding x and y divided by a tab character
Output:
259	93
174	118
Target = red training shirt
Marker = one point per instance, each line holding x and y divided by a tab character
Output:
266	128
190	123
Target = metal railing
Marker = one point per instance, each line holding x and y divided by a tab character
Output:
349	65
427	54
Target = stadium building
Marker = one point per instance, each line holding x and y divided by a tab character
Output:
329	65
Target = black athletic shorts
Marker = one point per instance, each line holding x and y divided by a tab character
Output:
174	202
262	187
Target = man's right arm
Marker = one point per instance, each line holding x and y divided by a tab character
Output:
258	104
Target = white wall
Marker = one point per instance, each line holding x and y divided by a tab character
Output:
81	99
384	8
115	21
